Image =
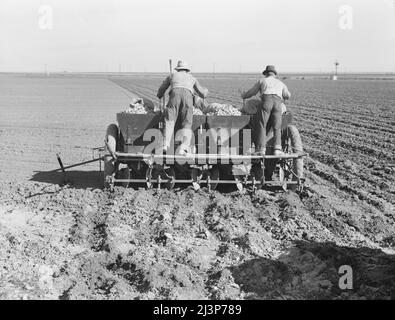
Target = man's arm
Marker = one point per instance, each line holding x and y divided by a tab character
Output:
162	89
286	93
201	91
253	91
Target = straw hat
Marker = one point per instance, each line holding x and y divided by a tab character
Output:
182	65
269	69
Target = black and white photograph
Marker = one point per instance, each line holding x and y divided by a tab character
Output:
202	151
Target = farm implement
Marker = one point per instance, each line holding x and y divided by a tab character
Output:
221	154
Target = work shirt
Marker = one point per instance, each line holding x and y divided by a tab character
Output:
268	85
182	79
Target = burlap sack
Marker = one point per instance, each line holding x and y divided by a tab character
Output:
251	106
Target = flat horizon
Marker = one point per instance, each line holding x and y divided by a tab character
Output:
200	72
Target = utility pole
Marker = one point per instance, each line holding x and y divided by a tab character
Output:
214	70
334	76
336	65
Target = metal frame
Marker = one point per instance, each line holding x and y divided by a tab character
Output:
153	159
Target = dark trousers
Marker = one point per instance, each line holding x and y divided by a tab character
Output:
179	114
270	107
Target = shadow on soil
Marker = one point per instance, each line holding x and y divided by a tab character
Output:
310	270
77	179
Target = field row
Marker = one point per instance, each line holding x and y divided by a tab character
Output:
328	136
366	137
356	187
338	117
369	133
377	180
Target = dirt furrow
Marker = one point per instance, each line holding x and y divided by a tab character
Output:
358	124
384	141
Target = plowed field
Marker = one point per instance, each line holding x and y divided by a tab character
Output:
76	241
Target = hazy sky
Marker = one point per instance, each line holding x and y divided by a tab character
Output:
236	35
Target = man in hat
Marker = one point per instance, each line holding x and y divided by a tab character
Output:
272	92
180	106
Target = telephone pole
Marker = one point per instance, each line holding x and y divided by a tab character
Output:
334	76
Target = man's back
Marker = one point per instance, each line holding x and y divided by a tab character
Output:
183	80
271	85
268	85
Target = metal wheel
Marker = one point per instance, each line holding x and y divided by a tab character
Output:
293	144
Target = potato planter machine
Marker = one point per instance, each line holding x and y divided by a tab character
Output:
127	163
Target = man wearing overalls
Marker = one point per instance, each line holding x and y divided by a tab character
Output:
180	106
273	92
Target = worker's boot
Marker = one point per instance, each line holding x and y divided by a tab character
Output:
185	146
167	136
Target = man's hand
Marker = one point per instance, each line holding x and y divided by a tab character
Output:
286	93
205	93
